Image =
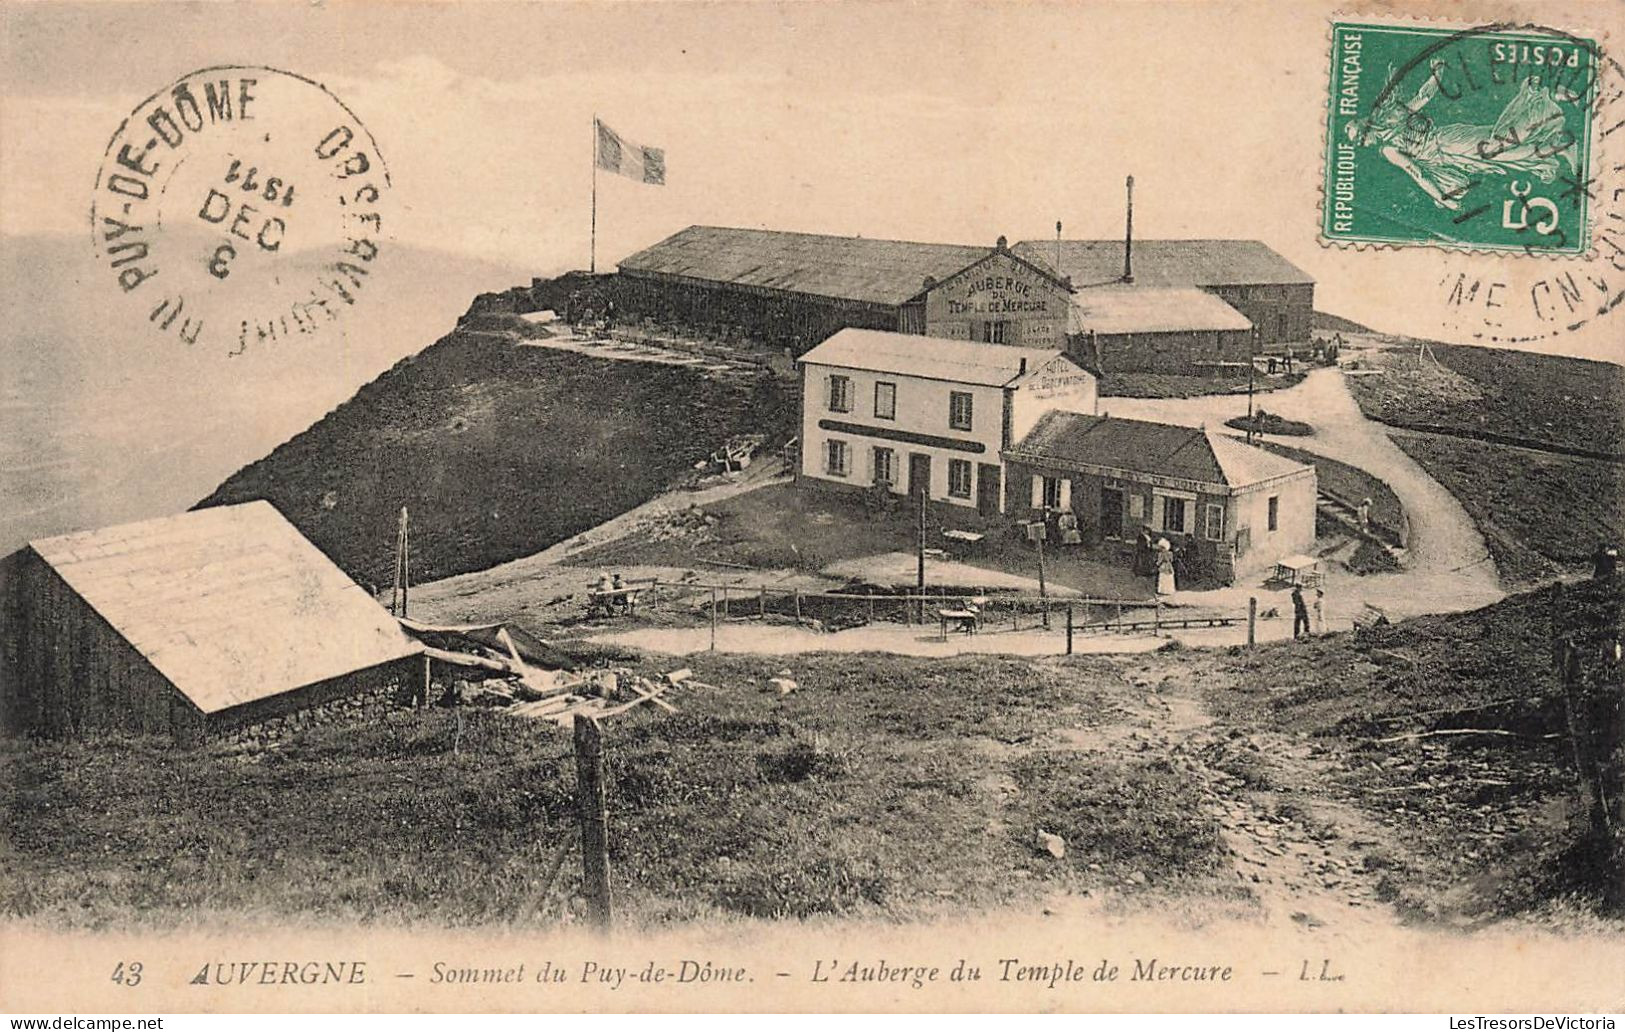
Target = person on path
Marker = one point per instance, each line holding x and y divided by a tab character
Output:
1300	612
1365	516
1320	611
1166	584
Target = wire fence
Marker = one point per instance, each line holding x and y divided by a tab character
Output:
948	610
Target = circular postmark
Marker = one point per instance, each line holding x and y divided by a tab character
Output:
1512	135
240	206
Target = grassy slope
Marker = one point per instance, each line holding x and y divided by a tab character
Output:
498	451
1540	514
1485	813
883	787
1565	401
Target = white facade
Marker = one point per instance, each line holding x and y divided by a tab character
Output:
863	425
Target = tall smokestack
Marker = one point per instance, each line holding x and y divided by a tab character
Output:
1057	248
1128	237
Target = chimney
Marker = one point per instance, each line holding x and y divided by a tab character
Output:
1022	369
1058	250
1128	237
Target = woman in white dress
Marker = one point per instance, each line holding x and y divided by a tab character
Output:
1165	567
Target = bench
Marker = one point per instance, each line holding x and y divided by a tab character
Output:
609	601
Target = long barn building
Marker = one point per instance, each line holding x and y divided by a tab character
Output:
1170	306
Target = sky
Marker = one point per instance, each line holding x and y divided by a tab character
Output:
945	122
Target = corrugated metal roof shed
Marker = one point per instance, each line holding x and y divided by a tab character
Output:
1118	310
1160	449
1167	263
936	358
230	604
887	272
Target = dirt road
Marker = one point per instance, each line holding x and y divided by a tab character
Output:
1448	568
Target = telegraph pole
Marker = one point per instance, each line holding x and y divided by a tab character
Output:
919	550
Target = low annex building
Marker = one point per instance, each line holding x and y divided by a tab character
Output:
917	413
1145	289
187	625
1237	509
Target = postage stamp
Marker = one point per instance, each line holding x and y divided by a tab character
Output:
1459	138
240	205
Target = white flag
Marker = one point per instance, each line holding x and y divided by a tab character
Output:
615	153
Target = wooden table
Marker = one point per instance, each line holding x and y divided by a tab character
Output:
962	619
607	601
1297	571
964	542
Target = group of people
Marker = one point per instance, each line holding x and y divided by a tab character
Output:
1302	609
1160	560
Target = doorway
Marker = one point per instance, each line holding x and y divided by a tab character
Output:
989	486
1111	512
919	475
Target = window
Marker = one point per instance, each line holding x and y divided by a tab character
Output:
1275	512
885	466
840	394
993	332
835	458
1215	523
1051	493
1173	515
959	410
885	401
959	478
1136	506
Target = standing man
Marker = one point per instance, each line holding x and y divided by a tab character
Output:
1142	553
1300	612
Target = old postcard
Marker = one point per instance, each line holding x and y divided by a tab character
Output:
589	507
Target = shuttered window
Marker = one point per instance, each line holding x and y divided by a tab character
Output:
835	458
840	393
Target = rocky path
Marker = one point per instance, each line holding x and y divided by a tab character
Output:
1302	856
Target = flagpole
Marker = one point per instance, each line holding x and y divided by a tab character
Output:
592	256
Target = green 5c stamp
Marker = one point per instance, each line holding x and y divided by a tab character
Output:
1460	138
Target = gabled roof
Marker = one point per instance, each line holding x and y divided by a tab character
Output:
1185	453
935	358
887	272
1118	310
1043	271
230	604
1166	263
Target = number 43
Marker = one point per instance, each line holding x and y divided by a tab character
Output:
127	975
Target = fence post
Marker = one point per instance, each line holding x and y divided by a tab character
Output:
871	609
798	607
1120	618
713	619
592	808
1156	616
1069	628
1252	620
761	605
725	603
